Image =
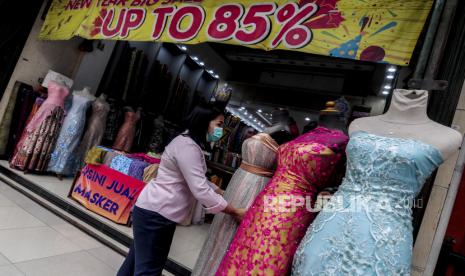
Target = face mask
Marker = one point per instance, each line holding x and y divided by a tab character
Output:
216	135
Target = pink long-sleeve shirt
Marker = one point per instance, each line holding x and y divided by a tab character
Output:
180	181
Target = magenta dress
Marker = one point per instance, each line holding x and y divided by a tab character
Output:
273	227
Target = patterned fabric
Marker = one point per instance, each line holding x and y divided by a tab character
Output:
95	156
272	228
38	139
121	163
366	228
63	160
96	127
150	172
241	191
112	123
136	169
127	132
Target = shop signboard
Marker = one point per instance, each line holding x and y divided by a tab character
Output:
106	192
369	30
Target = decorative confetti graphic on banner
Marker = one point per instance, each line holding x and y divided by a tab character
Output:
369	30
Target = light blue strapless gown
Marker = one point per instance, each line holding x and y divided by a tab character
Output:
366	228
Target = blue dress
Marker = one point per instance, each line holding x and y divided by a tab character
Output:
63	159
366	228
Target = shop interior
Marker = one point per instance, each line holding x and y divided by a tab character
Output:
162	82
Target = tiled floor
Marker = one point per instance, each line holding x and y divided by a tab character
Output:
187	241
33	241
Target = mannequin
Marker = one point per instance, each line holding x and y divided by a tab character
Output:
280	130
407	118
85	93
332	118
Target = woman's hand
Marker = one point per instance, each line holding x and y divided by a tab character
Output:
239	214
219	191
236	213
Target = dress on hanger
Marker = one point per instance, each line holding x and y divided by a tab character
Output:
63	159
38	139
96	127
259	153
127	132
273	226
366	228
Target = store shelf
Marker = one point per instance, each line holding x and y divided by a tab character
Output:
221	167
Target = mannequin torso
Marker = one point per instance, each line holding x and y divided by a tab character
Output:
85	93
407	118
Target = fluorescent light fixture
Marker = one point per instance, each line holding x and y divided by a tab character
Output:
210	71
387	87
184	48
217	77
390	77
385	92
250	117
201	63
245	112
307	119
260	111
255	120
195	58
392	69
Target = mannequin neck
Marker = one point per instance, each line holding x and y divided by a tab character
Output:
408	107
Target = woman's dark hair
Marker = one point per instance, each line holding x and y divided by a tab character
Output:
198	121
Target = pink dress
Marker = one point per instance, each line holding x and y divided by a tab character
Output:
38	140
273	227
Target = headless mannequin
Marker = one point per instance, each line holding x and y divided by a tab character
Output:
407	118
103	97
85	93
280	130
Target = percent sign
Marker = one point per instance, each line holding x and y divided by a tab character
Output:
293	34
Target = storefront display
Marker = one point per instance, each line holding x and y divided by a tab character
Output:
389	159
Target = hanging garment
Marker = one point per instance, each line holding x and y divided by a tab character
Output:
63	160
38	139
259	154
370	232
113	123
96	127
37	104
273	226
127	132
15	119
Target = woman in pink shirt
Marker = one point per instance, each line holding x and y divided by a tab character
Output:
167	199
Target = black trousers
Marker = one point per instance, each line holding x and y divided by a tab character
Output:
153	235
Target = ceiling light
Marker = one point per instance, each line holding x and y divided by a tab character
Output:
184	48
307	119
255	120
259	111
201	63
387	87
217	77
390	77
210	71
195	58
392	69
250	117
385	92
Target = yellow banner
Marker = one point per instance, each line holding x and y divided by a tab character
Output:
369	30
